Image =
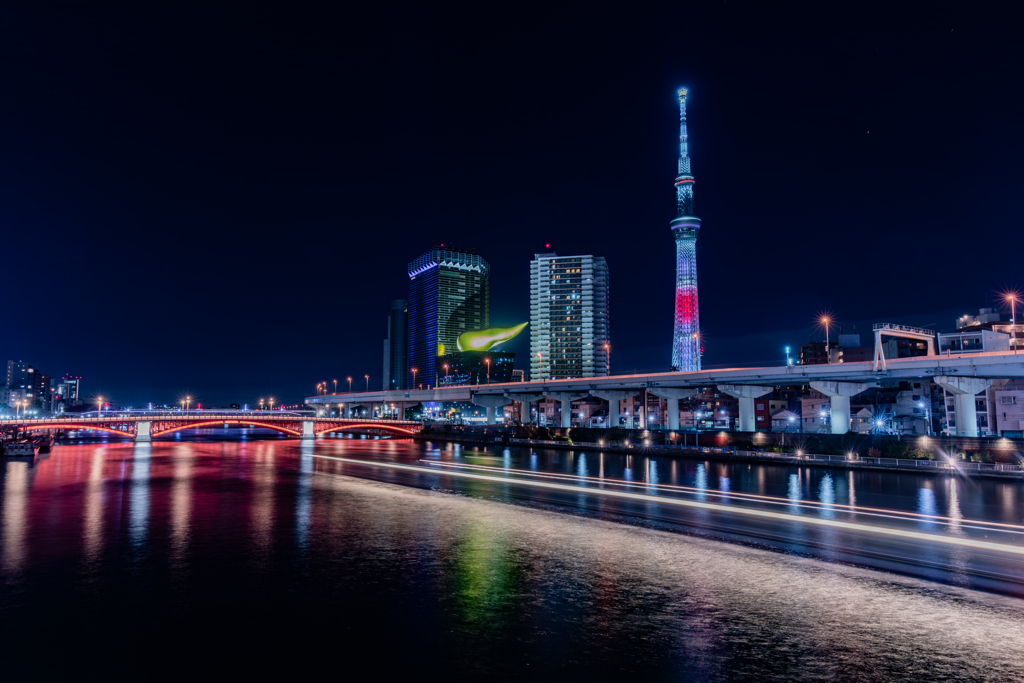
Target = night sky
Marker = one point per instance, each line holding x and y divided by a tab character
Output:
221	198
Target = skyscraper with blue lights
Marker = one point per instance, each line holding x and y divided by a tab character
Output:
449	293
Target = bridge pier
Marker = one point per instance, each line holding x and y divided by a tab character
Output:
492	403
142	431
613	398
524	404
672	396
745	394
839	394
964	389
307	429
566	398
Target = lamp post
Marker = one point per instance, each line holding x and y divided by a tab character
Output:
335	386
99	406
271	404
446	373
825	321
261	404
413	378
367	382
927	417
488	361
608	356
1013	320
188	403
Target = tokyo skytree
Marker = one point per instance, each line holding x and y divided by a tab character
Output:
685	226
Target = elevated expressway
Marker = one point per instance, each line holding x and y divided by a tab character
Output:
147	427
962	375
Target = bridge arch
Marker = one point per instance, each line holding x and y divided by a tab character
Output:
161	429
368	425
68	426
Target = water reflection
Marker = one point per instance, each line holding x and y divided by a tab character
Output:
16	481
138	497
474	586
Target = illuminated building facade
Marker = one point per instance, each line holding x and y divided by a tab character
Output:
686	348
449	293
569	328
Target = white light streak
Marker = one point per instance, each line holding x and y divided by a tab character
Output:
764	514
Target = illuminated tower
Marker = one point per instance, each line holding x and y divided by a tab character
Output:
685	226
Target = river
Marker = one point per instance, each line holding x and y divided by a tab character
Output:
239	553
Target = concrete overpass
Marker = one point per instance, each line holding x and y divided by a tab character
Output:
962	375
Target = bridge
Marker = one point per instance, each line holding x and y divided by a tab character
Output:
964	376
143	427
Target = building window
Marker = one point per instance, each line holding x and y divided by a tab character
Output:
760	406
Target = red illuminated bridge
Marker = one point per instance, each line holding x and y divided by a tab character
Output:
147	427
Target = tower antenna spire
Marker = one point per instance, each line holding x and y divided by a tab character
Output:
686	343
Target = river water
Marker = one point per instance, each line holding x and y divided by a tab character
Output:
239	553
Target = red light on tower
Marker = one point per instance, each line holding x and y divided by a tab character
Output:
547	246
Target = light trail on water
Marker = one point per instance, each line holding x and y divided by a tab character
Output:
812	505
626	495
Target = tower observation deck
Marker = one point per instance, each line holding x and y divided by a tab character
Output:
685	226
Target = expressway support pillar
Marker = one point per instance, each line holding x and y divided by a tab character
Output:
566	398
524	404
964	389
492	403
672	396
839	394
142	431
307	429
613	398
745	395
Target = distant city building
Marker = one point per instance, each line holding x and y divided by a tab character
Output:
69	390
973	341
20	382
396	346
569	317
43	391
815	352
475	367
686	343
518	375
449	293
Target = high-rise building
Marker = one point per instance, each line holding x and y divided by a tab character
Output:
449	293
396	346
20	381
69	390
686	345
569	327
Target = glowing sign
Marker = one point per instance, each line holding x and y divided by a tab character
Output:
482	340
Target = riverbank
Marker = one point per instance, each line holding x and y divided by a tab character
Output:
973	469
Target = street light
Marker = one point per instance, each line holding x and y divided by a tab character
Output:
261	404
608	356
271	404
488	361
188	402
367	382
413	378
445	374
825	321
349	385
99	407
1012	298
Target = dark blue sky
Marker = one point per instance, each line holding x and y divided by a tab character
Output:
221	198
